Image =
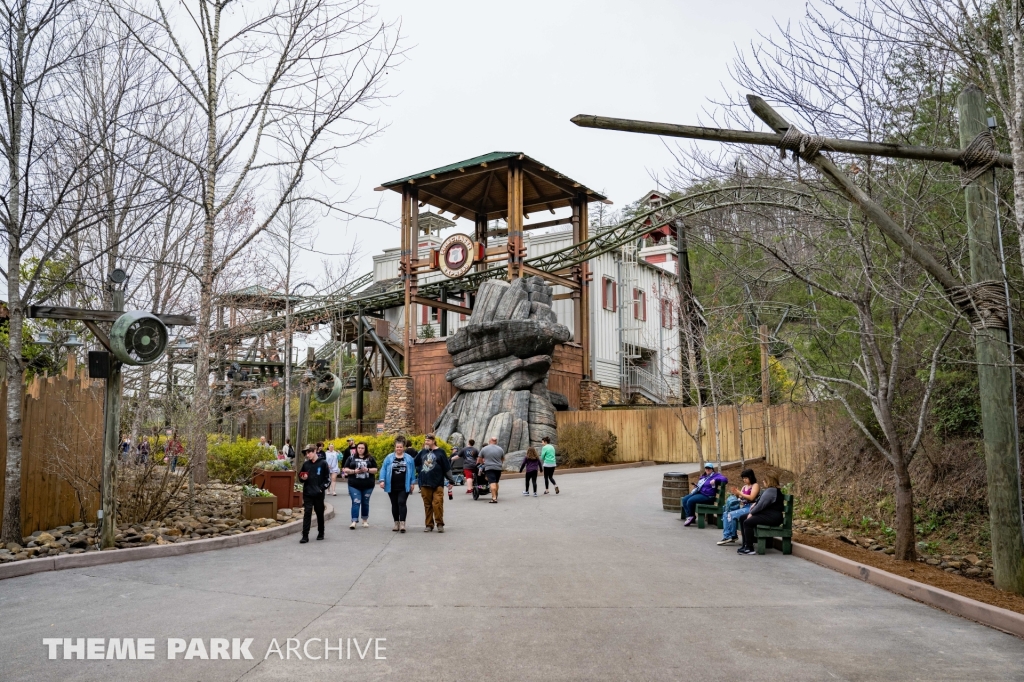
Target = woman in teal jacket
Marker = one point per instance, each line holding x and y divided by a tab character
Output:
398	479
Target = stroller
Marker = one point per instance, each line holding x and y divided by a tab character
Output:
480	485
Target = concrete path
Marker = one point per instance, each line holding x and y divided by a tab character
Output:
595	584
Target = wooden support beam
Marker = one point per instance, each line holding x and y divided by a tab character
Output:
891	150
548	223
563	297
554	279
585	277
443	305
515	219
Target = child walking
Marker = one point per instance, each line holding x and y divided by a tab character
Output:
532	466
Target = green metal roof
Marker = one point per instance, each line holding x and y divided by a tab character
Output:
475	161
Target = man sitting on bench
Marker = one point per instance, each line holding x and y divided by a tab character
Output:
703	492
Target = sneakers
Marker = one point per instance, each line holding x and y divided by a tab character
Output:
556	489
545	492
727	541
365	524
535	494
428	529
353	526
745	550
689	520
320	537
304	540
440	529
526	492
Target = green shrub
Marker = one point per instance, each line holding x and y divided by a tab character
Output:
233	462
585	444
382	446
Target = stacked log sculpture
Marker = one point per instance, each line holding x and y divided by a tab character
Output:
502	357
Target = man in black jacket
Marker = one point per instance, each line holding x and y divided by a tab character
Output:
316	479
432	468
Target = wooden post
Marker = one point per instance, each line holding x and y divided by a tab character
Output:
995	366
687	321
766	398
442	313
111	433
360	363
515	218
584	229
304	394
577	295
480	235
410	252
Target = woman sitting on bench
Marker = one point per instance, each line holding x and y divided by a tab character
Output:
704	492
767	511
738	505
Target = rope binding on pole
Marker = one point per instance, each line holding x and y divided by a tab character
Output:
983	304
800	143
978	157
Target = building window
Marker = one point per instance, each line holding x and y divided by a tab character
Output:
428	315
639	304
666	313
608	293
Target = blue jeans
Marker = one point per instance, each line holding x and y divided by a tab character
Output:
360	497
692	500
735	509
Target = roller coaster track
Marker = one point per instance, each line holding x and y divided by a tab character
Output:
347	302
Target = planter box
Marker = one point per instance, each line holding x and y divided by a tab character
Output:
296	498
259	508
280	483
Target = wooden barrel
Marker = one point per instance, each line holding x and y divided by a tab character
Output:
674	487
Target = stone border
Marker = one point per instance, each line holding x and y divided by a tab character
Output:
585	470
14	569
1008	621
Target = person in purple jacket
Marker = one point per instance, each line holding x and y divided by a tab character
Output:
532	466
704	492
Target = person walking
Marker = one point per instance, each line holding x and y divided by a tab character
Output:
532	466
433	468
361	469
172	450
316	479
143	456
332	463
494	461
287	450
547	460
350	448
471	457
398	479
704	492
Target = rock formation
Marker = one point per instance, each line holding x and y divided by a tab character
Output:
502	357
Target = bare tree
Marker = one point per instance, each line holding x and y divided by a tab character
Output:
280	88
42	191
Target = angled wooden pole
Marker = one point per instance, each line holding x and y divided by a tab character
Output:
111	432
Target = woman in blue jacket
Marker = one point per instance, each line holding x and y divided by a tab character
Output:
398	478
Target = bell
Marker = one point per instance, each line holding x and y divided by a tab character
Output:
43	338
73	342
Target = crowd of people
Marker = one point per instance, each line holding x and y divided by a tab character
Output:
747	507
403	471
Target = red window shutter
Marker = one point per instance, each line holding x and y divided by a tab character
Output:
615	295
423	314
604	293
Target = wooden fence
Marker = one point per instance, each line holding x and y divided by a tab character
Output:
62	431
662	434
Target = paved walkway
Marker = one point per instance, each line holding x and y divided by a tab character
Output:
595	584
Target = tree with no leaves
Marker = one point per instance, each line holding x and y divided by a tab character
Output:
280	88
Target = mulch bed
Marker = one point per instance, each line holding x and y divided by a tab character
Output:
921	572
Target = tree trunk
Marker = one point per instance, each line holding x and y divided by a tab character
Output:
905	547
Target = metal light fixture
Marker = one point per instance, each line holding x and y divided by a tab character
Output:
43	338
73	342
181	344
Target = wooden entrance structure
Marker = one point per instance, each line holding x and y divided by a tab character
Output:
499	185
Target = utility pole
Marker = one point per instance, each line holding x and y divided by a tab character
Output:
111	426
994	354
361	367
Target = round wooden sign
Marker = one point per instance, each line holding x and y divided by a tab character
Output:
456	255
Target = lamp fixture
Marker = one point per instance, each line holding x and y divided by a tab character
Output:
73	342
43	338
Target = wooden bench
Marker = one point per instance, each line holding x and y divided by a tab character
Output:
702	510
785	531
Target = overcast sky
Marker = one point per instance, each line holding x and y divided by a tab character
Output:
488	76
